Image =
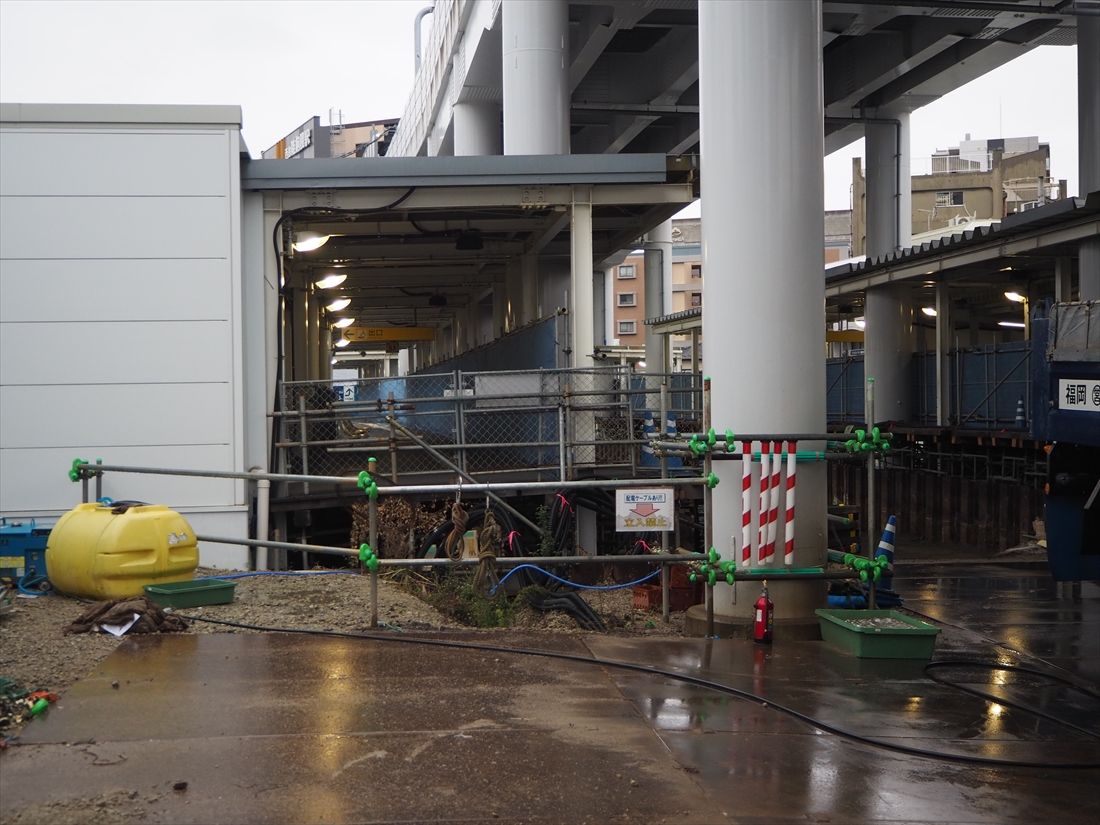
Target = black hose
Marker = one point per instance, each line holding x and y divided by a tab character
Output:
671	674
990	697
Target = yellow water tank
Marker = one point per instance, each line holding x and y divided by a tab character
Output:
111	551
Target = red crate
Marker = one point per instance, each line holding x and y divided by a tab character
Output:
648	597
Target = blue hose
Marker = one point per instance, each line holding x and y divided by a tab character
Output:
579	586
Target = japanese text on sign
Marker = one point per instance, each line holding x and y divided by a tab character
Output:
644	509
1079	394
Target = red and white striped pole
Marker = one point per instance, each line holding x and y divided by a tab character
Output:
765	477
773	510
746	503
788	535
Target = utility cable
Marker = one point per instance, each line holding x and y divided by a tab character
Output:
697	681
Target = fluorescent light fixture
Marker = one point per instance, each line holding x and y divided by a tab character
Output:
329	281
344	323
333	362
929	311
860	323
1005	269
343	342
1015	296
338	304
306	241
1013	324
641	365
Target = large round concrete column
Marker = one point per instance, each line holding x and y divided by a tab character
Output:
477	128
535	42
1088	141
763	319
888	312
661	237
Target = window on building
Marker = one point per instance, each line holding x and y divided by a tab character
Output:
696	270
697	299
627	299
949	199
627	327
626	271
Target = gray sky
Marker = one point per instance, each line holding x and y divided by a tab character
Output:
284	62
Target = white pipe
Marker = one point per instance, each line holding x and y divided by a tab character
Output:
582	339
263	510
535	43
416	33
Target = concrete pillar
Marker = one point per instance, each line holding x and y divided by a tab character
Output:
1063	279
943	347
654	306
582	339
404	360
1088	143
299	335
610	333
535	43
513	289
477	128
889	332
599	307
661	237
317	343
500	311
529	282
760	64
888	313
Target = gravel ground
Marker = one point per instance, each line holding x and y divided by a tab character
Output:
37	654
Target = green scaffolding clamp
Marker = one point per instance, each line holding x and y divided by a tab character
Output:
713	569
865	441
368	485
368	559
868	569
81	469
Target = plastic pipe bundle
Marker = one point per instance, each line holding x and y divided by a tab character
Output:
746	503
788	549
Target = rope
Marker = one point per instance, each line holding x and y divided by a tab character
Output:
459	518
485	579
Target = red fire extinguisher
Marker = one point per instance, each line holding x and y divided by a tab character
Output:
762	625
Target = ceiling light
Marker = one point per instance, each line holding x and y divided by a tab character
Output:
329	281
1015	296
338	304
929	311
1013	324
1005	269
307	241
333	361
641	365
344	323
437	300
860	323
343	342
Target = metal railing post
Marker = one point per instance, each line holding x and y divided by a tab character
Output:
303	439
372	528
391	408
98	481
708	506
871	544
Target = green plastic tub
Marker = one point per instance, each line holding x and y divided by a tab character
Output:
191	594
878	634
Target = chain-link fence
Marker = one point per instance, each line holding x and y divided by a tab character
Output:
483	422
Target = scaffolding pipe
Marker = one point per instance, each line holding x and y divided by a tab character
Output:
708	508
411	489
506	561
447	462
263	517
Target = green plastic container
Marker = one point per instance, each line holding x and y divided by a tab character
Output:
842	628
191	594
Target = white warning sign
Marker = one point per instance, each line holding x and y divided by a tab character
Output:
644	508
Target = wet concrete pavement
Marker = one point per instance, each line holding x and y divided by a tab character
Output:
306	729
